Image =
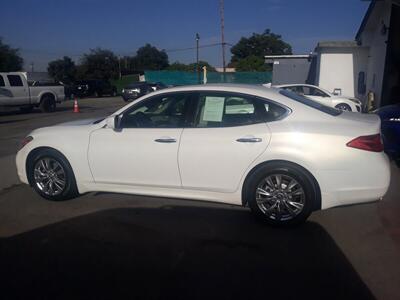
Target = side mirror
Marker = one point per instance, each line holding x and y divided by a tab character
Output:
337	92
114	122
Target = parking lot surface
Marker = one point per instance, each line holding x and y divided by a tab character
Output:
104	246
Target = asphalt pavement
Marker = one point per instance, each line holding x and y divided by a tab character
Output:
109	246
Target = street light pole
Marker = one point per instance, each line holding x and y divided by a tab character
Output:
197	57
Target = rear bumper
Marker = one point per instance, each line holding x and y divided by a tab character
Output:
367	183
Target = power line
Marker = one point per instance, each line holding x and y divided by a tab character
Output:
119	53
192	48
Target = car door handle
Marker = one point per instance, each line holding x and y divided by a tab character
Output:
165	140
249	140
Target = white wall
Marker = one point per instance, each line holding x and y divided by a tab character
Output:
336	70
339	68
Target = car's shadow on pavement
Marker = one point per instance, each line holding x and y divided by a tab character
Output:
175	253
36	111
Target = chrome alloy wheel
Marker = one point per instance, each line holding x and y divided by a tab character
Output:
280	197
50	176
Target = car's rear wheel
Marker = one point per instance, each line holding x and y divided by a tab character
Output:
343	106
47	104
281	194
51	175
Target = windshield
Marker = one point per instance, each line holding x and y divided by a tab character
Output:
311	103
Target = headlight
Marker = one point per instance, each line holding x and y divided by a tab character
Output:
24	142
134	91
355	100
123	90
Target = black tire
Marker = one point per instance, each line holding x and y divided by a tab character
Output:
26	109
47	104
343	106
285	170
69	190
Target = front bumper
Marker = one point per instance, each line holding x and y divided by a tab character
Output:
130	96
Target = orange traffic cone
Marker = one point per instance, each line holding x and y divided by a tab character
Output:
76	107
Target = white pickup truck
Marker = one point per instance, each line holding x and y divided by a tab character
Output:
15	91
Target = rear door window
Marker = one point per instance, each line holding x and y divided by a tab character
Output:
220	109
15	80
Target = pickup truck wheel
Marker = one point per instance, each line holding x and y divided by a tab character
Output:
48	104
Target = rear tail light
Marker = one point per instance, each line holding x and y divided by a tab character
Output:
25	141
367	142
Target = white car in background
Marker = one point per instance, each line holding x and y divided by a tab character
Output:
280	153
323	96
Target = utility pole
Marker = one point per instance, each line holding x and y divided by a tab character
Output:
119	66
221	12
197	58
32	64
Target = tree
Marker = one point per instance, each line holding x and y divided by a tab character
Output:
10	60
266	43
99	64
252	63
63	70
177	66
150	58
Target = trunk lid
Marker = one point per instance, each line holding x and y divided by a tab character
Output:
362	123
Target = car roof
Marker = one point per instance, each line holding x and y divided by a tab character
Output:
136	84
252	89
257	90
295	84
301	84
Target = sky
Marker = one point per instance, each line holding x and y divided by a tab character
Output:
45	30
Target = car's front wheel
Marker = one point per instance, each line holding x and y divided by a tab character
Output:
51	175
343	106
281	194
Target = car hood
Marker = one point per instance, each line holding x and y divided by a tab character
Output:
78	122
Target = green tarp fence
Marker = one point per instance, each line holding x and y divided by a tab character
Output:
185	78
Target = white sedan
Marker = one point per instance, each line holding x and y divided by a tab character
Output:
281	154
323	96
